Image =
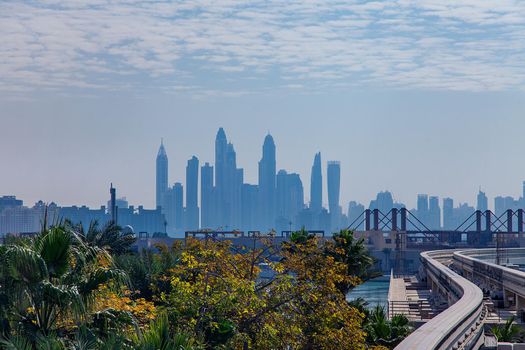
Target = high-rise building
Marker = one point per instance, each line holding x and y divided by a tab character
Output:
221	147
267	169
192	185
173	208
355	216
333	175
249	210
384	202
290	199
422	208
448	214
207	206
434	213
482	202
316	185
178	197
162	175
9	202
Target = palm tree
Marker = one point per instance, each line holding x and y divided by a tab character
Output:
159	337
352	252
111	237
381	331
508	332
49	278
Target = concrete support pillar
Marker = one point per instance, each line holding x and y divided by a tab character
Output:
367	220
520	302
509	299
394	219
488	220
509	220
403	219
478	221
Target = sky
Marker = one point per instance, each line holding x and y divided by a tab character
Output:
423	96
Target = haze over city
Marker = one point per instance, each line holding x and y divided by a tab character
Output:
410	96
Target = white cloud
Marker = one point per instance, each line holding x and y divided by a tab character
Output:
434	44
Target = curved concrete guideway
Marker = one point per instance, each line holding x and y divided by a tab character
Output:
478	265
460	326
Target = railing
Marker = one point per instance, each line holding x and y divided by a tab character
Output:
458	327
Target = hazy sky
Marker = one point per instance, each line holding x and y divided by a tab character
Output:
423	96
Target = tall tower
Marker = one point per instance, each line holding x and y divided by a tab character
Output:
221	147
333	174
482	201
192	183
207	196
162	174
316	185
267	169
113	205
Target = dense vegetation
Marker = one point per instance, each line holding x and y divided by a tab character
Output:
70	289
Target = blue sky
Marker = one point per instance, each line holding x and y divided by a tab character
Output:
411	96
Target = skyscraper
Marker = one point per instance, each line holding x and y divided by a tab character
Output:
221	146
355	215
192	181
333	174
448	214
207	196
316	185
162	174
228	184
434	213
422	208
289	197
267	169
178	198
482	201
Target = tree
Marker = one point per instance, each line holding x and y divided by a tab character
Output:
111	237
352	253
381	331
50	281
508	332
217	294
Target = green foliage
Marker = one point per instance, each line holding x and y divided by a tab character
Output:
49	281
381	331
159	337
110	237
70	289
508	332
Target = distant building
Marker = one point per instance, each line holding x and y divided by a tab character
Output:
250	207
384	202
333	174
316	185
192	185
290	200
10	202
434	213
161	174
207	205
173	208
267	184
448	214
482	201
355	216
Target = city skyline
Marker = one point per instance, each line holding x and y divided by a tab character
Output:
410	96
305	177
